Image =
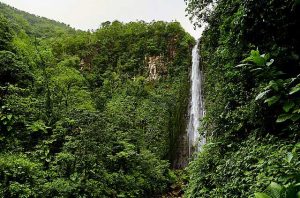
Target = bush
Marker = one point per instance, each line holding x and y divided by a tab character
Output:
19	176
247	167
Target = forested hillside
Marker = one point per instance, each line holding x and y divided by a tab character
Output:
90	114
103	113
250	55
33	25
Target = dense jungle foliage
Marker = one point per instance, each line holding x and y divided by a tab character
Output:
250	54
98	114
90	114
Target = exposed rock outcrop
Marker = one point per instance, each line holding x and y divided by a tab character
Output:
156	67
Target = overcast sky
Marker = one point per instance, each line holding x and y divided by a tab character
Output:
89	14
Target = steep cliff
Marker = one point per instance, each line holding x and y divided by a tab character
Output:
90	114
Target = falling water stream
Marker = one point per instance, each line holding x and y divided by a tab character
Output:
196	110
192	140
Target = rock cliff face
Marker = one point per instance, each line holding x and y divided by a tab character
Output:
156	67
182	152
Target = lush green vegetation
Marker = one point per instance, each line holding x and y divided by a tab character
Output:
33	25
89	114
98	114
250	55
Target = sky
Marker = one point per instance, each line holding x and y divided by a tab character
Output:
89	14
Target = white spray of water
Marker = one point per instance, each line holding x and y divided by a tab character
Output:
196	111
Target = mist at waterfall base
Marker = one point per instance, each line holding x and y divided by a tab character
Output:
196	108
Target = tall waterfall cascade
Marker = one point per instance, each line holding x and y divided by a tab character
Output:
196	139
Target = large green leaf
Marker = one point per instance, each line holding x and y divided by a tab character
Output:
272	100
295	117
274	85
256	58
289	157
9	117
288	105
261	95
295	89
275	190
242	65
284	117
269	63
261	195
296	110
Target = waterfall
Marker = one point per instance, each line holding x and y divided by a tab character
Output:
196	109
